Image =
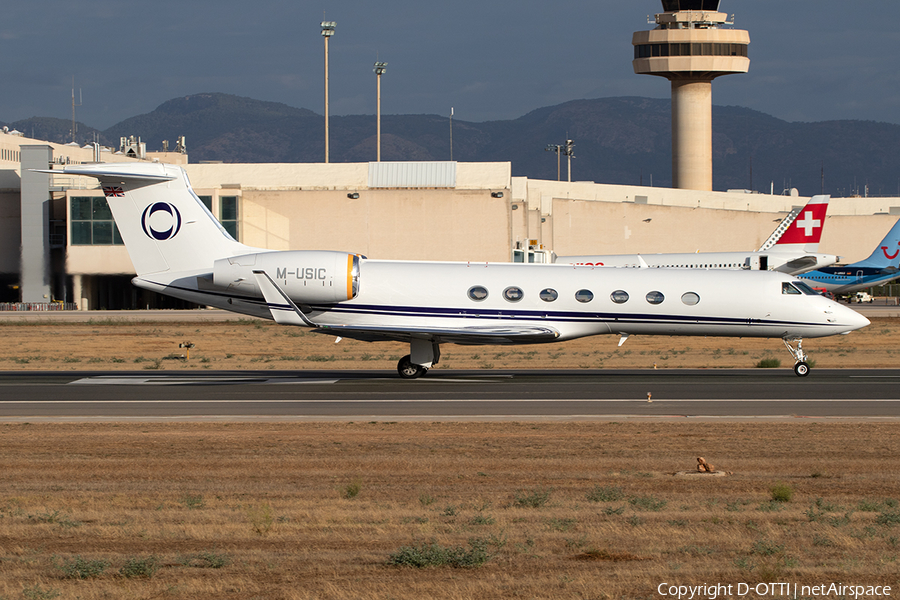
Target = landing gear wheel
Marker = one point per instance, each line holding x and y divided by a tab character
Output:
408	370
801	369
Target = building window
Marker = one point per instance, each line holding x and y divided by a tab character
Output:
92	222
228	214
693	49
207	202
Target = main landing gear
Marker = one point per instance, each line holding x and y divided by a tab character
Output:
801	367
423	354
408	370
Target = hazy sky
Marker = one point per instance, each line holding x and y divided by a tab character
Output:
488	59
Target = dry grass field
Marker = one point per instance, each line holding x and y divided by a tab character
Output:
457	511
255	344
500	510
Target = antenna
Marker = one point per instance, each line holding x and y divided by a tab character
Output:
74	128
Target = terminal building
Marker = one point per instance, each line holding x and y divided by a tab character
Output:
60	246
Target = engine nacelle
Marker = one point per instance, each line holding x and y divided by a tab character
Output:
307	276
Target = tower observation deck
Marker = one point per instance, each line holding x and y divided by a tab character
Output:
693	43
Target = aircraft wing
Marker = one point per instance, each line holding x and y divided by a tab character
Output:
461	335
286	312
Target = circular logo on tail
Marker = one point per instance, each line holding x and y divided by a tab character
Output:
161	221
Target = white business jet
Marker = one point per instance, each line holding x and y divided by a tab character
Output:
179	249
792	248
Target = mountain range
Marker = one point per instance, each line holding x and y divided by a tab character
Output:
624	140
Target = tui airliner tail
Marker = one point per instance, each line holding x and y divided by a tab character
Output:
887	253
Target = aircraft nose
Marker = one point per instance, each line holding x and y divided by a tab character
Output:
853	319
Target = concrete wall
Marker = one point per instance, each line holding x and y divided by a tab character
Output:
385	224
306	206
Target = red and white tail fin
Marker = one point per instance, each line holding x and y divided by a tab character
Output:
802	230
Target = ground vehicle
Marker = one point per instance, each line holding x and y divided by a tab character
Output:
860	297
825	293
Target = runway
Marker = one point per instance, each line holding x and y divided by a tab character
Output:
449	395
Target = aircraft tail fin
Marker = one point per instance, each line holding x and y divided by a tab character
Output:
887	253
801	229
163	223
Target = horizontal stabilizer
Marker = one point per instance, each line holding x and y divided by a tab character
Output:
462	335
116	171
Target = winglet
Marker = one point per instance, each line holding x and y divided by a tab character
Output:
283	309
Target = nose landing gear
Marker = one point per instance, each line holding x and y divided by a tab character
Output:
801	367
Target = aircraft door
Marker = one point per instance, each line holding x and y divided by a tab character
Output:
763	263
859	276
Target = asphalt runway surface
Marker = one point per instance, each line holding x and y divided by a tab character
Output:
449	395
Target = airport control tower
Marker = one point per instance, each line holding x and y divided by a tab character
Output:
690	47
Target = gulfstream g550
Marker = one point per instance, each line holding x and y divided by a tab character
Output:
179	249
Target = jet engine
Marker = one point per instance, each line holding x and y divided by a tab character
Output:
306	276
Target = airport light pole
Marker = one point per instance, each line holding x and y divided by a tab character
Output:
558	149
569	151
380	68
327	32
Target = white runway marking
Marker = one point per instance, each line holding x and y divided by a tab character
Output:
435	401
189	380
112	380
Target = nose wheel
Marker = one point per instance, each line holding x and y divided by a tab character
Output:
801	367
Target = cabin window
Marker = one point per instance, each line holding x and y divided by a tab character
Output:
619	296
690	298
549	295
513	294
787	288
655	297
478	293
584	296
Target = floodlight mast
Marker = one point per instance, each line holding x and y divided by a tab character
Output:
380	68
558	149
327	32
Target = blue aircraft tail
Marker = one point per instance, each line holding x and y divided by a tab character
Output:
887	253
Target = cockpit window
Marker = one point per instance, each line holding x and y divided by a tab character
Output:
805	288
787	288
